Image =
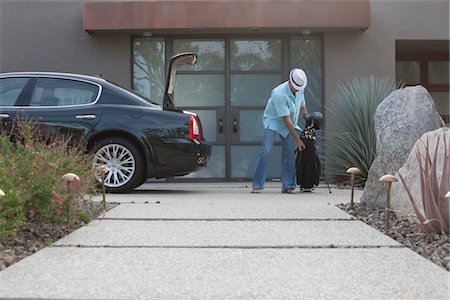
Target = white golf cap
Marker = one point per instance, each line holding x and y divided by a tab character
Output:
298	79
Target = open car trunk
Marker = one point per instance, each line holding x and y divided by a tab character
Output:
188	58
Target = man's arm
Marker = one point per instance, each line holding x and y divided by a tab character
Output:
290	127
303	111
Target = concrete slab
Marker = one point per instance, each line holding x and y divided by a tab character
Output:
223	192
102	273
227	234
228	208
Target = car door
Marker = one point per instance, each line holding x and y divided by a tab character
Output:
12	90
63	107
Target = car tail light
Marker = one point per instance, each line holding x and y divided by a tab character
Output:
195	132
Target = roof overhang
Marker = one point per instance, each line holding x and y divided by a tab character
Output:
225	15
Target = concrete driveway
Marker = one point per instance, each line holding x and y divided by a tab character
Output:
218	241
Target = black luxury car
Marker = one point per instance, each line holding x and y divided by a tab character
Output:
135	138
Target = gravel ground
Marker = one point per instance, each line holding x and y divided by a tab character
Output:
432	246
36	235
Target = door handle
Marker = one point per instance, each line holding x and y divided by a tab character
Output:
4	116
88	117
235	125
220	126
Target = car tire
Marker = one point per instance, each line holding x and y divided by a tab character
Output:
124	160
143	180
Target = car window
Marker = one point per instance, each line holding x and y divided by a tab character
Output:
121	92
114	94
61	92
10	89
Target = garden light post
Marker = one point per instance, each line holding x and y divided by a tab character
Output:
388	179
102	170
352	171
68	178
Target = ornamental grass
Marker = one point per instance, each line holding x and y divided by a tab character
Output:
435	216
352	141
31	167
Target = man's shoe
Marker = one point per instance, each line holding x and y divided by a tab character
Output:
287	191
256	191
306	190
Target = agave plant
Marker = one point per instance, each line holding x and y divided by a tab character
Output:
435	203
351	112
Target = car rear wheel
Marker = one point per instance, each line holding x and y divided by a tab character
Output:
143	180
125	163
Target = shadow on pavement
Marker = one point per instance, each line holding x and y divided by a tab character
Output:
163	191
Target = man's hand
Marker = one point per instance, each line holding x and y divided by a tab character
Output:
300	145
290	127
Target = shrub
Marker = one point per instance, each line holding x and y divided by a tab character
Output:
30	175
351	112
435	205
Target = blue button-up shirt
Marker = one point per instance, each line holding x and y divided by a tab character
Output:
283	103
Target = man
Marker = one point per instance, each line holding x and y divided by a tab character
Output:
280	118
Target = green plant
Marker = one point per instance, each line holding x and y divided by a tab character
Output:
352	142
31	167
12	216
84	217
433	192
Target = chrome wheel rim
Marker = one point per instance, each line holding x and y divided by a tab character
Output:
119	160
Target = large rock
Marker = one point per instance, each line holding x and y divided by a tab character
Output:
400	120
411	171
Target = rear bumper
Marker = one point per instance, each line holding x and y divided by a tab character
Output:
182	160
203	154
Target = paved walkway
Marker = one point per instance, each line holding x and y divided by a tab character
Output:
218	241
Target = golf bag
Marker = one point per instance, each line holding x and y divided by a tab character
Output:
307	161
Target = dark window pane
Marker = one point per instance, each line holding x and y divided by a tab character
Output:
442	102
211	54
251	127
408	72
306	53
255	55
10	89
61	92
199	90
438	72
149	68
253	89
244	159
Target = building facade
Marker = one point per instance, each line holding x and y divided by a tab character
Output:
245	48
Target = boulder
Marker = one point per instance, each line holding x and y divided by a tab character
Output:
400	120
410	171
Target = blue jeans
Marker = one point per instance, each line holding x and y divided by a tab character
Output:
288	168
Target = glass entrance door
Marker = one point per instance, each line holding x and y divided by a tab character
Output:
201	89
232	81
256	67
229	88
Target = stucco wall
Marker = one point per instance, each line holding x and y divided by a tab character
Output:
372	52
42	35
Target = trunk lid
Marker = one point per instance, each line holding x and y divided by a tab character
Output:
187	58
